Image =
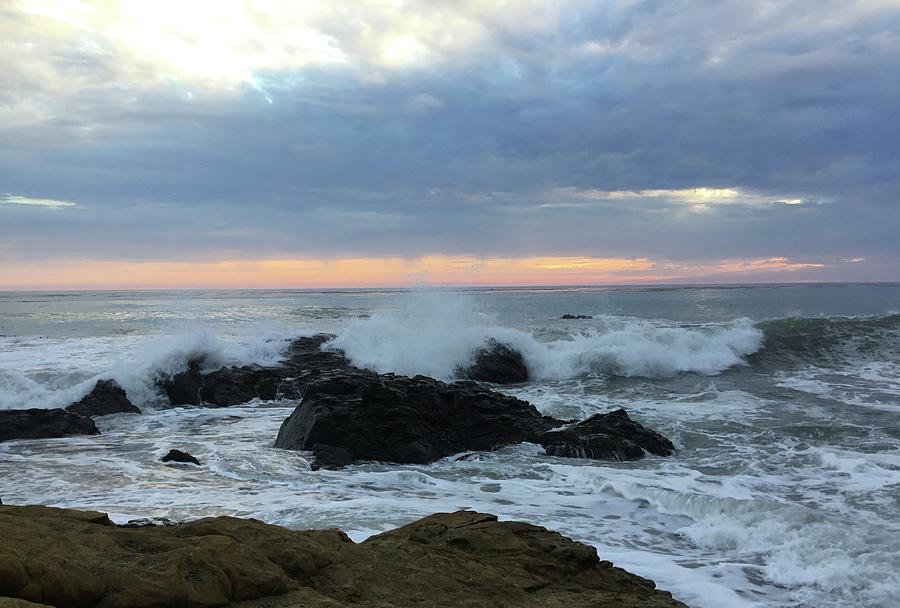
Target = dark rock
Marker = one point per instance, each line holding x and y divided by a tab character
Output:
231	385
571	316
330	457
236	385
148	522
184	388
40	423
352	415
611	436
107	397
497	362
179	456
349	414
406	420
78	559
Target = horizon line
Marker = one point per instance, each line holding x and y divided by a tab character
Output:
461	286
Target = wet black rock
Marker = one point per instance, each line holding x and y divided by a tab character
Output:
37	423
405	420
579	317
349	414
148	522
236	385
184	388
330	457
356	415
179	456
107	397
497	362
611	436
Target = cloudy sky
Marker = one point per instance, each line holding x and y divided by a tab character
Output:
180	143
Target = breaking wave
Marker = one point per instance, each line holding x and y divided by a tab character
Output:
50	373
432	334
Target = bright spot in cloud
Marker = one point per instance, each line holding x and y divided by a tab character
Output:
216	40
12	199
699	199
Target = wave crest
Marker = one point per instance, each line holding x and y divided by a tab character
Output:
433	334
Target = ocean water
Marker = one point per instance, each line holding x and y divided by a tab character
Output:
783	402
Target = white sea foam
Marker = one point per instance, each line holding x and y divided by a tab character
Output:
54	372
434	333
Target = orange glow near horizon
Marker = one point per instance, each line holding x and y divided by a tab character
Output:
367	272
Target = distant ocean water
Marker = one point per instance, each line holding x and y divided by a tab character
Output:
783	402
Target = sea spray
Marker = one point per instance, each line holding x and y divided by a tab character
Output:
434	333
49	373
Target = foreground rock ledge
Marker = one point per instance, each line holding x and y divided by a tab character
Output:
75	559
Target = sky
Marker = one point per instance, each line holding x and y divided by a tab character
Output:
220	143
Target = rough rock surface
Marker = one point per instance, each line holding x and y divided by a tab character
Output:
235	385
355	415
612	436
107	397
497	362
76	559
184	388
38	423
407	420
179	456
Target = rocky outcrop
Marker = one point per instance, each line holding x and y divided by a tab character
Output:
236	385
107	397
498	363
349	414
184	388
407	420
612	436
78	559
37	423
358	415
178	456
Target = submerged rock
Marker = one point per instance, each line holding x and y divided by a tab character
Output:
107	397
569	316
406	420
611	436
76	559
37	423
179	456
497	362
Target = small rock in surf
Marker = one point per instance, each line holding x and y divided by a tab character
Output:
179	456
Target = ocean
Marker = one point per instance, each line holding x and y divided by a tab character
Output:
783	403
